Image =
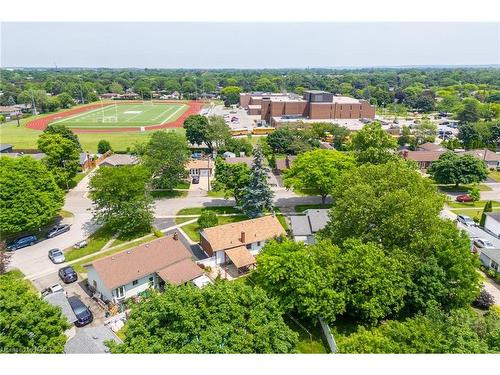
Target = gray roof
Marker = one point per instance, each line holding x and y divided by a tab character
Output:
493	254
318	218
494	215
4	146
60	300
37	156
83	157
120	159
90	340
300	225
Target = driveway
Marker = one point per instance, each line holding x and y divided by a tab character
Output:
33	260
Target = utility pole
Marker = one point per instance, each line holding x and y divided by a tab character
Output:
33	104
209	173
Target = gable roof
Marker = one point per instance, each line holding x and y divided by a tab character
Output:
493	254
240	159
423	155
429	146
483	154
308	224
240	256
5	146
300	225
120	159
493	215
229	235
90	340
180	272
199	164
318	218
129	265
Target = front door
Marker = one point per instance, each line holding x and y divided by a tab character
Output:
120	292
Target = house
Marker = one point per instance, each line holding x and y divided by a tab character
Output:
304	227
151	265
5	147
240	159
90	340
200	167
239	242
490	258
490	158
86	161
60	300
492	223
429	146
424	159
118	160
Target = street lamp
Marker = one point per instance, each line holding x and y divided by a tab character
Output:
65	173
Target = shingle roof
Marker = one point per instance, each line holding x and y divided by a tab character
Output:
120	159
494	215
4	146
229	235
483	154
318	218
300	225
199	164
240	256
129	265
308	224
423	155
60	300
240	159
90	340
180	272
493	254
428	146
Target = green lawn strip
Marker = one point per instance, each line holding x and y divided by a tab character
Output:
216	209
180	220
461	188
159	194
495	175
95	243
216	194
183	185
78	266
478	204
309	343
303	207
472	212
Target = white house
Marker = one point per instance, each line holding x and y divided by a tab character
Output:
200	167
239	242
151	265
492	223
490	258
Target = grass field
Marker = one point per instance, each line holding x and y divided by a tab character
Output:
125	115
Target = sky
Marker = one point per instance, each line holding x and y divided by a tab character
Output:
247	45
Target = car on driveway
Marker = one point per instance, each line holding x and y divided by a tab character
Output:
80	244
83	314
464	198
466	220
22	242
56	256
68	274
195	180
56	288
57	230
483	244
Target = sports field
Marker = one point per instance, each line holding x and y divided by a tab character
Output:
133	115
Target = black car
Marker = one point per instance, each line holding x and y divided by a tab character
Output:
57	230
22	242
68	274
83	314
196	180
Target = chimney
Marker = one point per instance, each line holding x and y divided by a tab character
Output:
242	238
242	154
175	236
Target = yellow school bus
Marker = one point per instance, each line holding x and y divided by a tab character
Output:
262	131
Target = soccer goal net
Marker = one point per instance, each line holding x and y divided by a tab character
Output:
109	119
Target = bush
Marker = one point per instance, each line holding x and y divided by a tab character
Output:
103	146
207	219
158	233
484	300
491	273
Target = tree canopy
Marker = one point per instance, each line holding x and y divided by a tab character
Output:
372	144
212	130
29	195
28	323
231	179
226	317
451	168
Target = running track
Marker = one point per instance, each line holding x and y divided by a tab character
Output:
41	123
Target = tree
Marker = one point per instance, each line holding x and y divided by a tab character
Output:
488	207
220	318
231	178
213	131
451	168
5	258
62	157
121	200
66	100
166	155
469	135
280	140
475	193
372	144
302	278
426	131
232	94
28	323
374	283
24	180
207	219
315	172
237	146
265	85
103	146
257	196
64	132
115	87
469	111
459	331
195	126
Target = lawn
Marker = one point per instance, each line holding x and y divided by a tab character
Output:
495	175
478	204
310	341
192	230
216	209
95	243
159	194
461	188
216	194
472	212
23	138
125	115
303	207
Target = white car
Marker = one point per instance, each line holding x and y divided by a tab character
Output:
466	220
483	244
56	288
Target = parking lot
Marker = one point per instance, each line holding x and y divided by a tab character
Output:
245	121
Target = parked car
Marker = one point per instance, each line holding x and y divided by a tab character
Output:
464	198
57	230
56	256
68	274
83	314
466	220
232	111
22	242
195	180
483	244
80	244
196	155
56	288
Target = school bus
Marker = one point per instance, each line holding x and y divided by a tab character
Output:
242	131
262	131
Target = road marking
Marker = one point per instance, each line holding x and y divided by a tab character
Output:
169	117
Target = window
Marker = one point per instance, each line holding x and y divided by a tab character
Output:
135	282
249	246
151	278
258	243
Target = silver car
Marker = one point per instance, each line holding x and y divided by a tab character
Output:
483	244
56	256
466	220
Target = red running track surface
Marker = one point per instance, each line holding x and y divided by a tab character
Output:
42	122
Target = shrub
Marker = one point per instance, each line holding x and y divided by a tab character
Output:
484	300
103	146
158	233
491	273
207	219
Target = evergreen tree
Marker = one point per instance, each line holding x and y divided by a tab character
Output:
257	196
488	207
